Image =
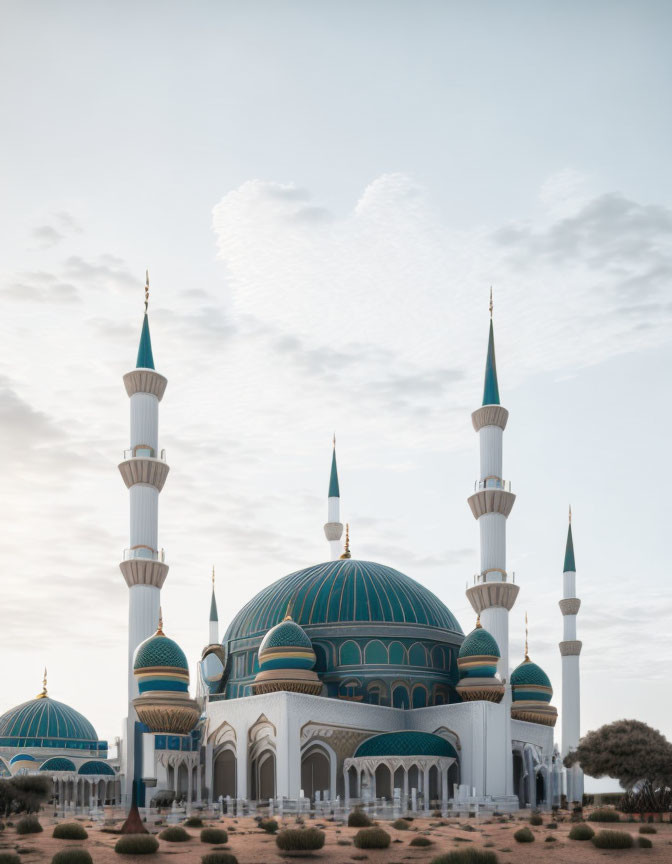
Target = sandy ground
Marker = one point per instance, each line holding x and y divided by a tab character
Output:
252	846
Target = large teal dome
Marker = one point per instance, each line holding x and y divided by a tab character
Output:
378	635
44	722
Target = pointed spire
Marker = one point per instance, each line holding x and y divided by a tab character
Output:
145	357
159	629
527	653
491	387
213	601
334	491
570	564
43	694
347	554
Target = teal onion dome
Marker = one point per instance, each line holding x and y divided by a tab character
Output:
531	694
44	722
161	670
477	663
58	763
406	743
286	661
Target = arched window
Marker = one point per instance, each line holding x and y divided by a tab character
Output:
400	696
438	657
321	658
350	654
255	663
350	690
419	696
397	654
417	655
375	653
376	693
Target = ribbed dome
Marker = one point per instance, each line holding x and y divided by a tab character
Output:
339	592
57	763
529	673
159	650
479	643
406	744
48	723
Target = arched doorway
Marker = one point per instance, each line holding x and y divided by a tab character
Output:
383	782
315	773
224	774
263	776
519	785
541	789
182	780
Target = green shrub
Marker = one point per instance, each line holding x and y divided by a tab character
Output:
72	856
194	822
647	829
214	835
467	856
9	858
136	844
401	825
175	834
644	843
550	839
300	839
372	838
270	826
359	819
70	831
552	825
524	835
28	825
581	831
613	840
219	858
536	819
605	814
420	841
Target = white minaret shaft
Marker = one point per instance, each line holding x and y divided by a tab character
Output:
493	594
333	528
570	650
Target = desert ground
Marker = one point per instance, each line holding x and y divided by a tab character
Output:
251	845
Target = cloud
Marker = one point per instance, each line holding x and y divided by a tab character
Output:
58	229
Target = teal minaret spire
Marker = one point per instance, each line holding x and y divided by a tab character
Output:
214	618
570	565
145	356
333	528
491	388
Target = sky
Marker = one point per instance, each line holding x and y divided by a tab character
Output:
323	194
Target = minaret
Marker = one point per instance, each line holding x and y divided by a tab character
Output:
214	620
144	471
333	528
570	650
493	595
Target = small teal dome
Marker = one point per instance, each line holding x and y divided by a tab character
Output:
286	646
95	766
406	744
530	682
57	763
479	643
159	650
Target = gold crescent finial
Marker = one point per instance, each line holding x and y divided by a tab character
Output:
527	653
213	576
334	439
288	613
570	514
146	289
478	622
43	694
159	631
491	304
347	554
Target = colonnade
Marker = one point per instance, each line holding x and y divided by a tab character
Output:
366	768
76	790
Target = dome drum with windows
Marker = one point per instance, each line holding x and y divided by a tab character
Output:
162	672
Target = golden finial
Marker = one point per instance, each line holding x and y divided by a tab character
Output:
491	305
146	290
43	694
527	653
570	514
334	440
347	554
478	622
288	613
213	577
159	631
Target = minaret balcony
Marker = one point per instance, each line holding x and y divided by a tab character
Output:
491	500
488	594
145	381
144	552
144	571
492	483
570	606
144	469
489	415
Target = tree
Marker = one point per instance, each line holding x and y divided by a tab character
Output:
24	794
628	750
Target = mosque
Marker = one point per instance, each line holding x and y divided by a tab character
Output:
344	682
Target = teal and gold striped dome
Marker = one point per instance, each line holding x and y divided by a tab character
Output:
529	681
286	646
44	722
340	592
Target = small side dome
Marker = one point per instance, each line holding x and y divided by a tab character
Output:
477	664
160	667
531	694
22	757
58	763
406	743
95	766
287	661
